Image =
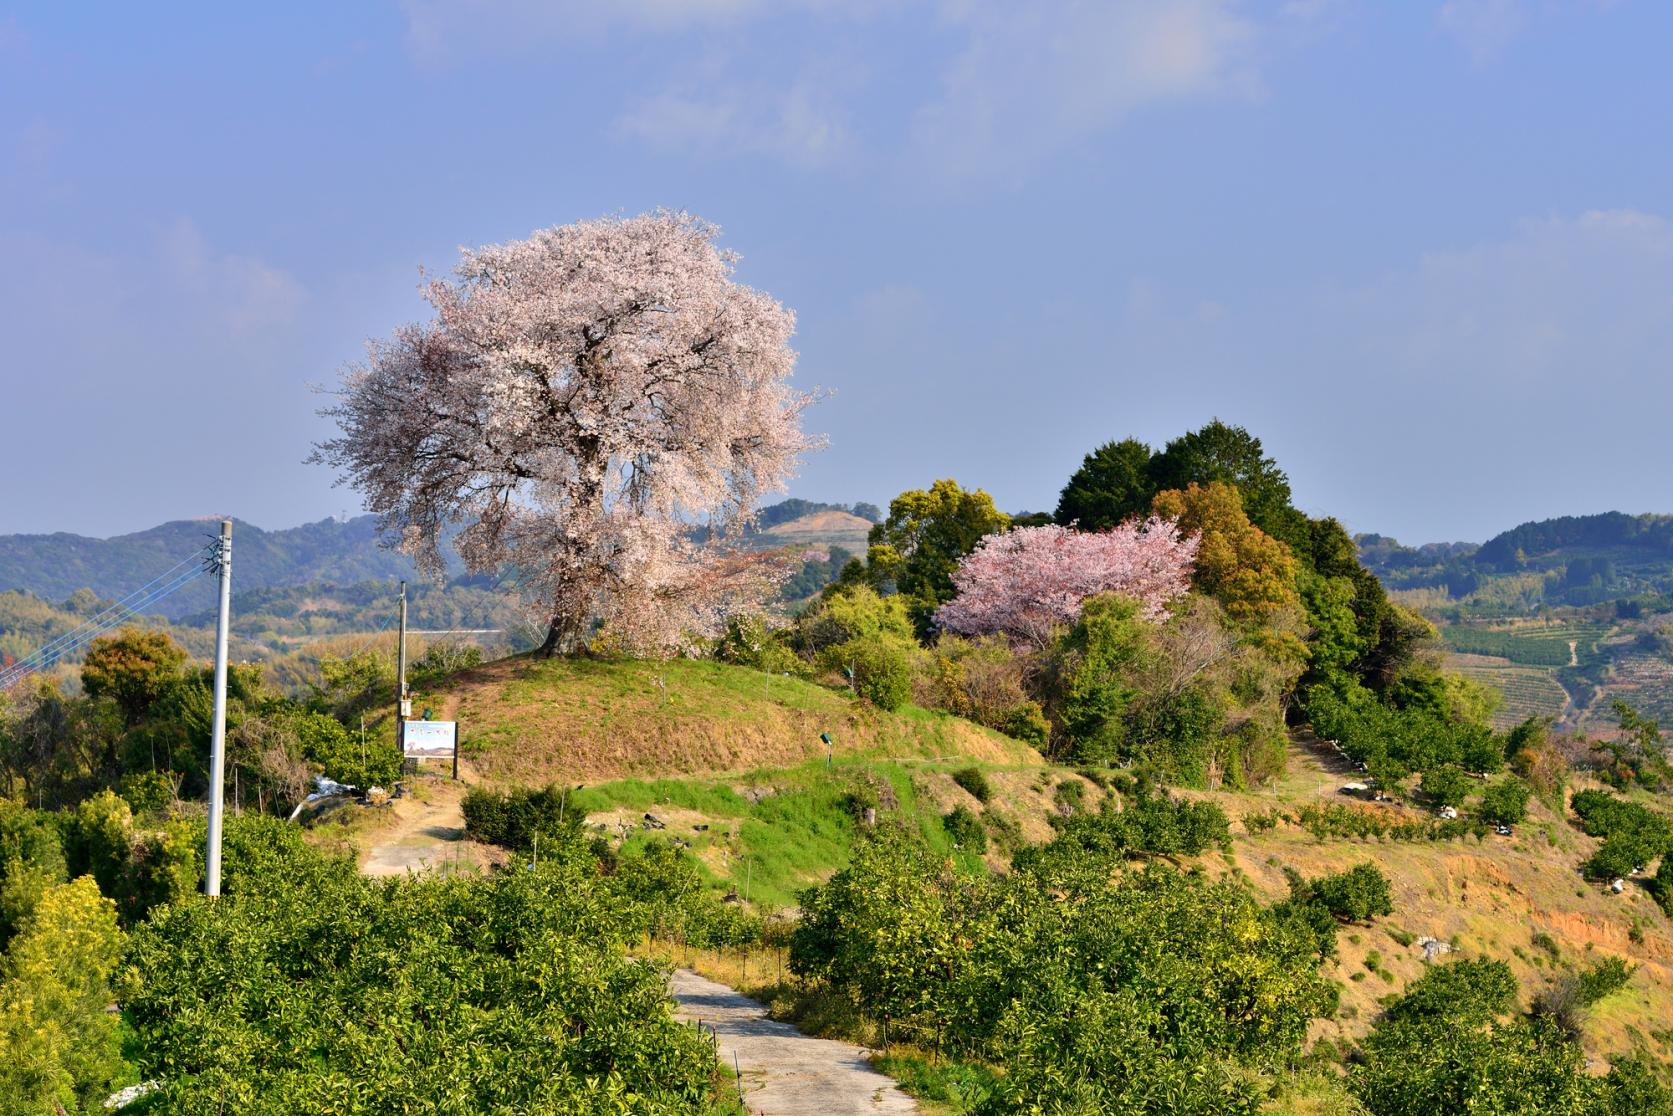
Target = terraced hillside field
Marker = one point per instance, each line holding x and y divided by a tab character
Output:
1532	644
1528	691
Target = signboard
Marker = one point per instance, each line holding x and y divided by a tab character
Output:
429	739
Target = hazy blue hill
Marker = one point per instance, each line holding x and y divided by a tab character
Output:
332	551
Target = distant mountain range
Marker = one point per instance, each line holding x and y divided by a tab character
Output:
330	552
1583	560
335	551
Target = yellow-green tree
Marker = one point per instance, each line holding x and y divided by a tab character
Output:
918	546
134	668
1248	571
62	1049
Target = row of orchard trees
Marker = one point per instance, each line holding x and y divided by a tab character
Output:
1102	986
308	988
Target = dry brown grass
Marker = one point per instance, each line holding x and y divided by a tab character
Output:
530	721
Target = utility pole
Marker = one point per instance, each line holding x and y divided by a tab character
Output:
402	708
218	734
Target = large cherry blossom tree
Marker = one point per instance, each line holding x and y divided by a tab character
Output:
1027	582
580	400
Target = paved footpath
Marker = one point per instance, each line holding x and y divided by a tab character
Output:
785	1072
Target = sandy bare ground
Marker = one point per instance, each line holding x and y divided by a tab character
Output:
786	1073
425	835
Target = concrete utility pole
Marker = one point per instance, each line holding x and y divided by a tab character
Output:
218	734
402	708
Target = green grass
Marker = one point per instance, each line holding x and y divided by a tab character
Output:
795	835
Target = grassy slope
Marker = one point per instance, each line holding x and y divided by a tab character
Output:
528	720
1494	897
737	751
1497	897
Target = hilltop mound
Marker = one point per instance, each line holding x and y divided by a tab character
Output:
824	528
529	720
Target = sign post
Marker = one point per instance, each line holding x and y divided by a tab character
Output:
421	740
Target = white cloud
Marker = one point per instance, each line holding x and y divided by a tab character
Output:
1033	78
245	293
1483	27
804	124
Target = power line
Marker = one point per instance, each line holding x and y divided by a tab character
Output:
117	606
112	616
39	661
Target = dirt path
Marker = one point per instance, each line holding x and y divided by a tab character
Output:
425	835
786	1073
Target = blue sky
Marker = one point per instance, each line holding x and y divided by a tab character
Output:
1423	250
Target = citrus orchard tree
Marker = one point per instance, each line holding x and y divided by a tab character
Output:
580	400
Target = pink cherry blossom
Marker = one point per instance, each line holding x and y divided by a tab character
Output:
1026	583
580	400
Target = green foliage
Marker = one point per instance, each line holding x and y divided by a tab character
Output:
1357	895
964	828
324	741
1150	992
1446	785
1111	486
1148	825
1336	820
1092	672
975	781
1603	979
318	991
62	1049
879	669
1219	452
31	861
1505	802
134	668
1445	1046
1633	835
512	818
1661	885
916	548
1394	741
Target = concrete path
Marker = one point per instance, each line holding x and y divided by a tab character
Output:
785	1072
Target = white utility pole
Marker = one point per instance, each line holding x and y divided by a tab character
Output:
218	734
403	708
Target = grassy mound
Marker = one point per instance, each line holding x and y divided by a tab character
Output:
530	721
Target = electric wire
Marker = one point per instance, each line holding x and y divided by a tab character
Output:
114	606
124	611
132	611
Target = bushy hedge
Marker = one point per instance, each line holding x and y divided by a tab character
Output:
1633	835
512	818
320	991
1154	991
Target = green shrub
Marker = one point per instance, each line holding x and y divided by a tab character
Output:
513	818
1506	801
879	668
1607	976
1357	895
966	830
149	792
506	993
973	780
62	1047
